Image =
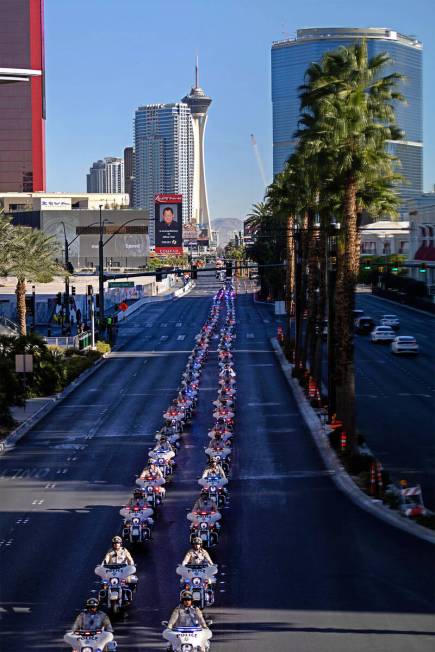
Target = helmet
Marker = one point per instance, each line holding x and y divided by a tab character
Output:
92	603
215	459
197	540
186	595
163	438
117	539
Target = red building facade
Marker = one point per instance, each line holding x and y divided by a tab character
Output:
22	103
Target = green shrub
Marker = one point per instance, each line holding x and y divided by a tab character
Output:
74	366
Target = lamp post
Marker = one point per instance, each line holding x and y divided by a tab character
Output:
101	246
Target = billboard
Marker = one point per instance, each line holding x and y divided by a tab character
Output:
168	224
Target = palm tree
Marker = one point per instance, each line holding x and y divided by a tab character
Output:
348	111
31	258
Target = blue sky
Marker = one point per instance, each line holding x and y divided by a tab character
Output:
106	57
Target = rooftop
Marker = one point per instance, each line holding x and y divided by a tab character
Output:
324	33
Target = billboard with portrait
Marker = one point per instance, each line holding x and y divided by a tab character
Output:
168	224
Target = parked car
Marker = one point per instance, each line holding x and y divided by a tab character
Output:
364	325
324	330
404	344
382	334
390	320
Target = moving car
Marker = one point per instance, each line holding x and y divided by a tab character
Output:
382	334
390	320
357	313
404	344
364	325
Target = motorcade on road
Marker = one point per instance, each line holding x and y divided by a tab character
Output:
390	320
382	334
404	344
364	325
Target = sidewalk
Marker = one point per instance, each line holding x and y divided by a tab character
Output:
21	413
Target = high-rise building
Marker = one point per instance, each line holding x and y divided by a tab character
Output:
22	97
106	176
129	157
199	103
290	60
163	156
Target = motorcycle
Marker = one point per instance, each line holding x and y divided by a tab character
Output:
90	641
215	486
206	527
163	459
199	579
118	582
188	639
137	526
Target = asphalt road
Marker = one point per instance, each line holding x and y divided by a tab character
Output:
395	394
302	568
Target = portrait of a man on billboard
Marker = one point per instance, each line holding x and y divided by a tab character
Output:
168	224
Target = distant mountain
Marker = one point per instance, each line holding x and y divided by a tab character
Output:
225	228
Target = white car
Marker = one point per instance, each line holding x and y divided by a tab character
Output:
382	334
404	344
390	320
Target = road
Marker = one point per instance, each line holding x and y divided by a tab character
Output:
302	568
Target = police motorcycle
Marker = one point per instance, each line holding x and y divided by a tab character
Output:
225	433
171	432
153	488
222	455
163	458
137	519
85	640
215	486
187	639
118	581
205	525
199	580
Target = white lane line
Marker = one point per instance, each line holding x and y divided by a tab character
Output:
250	336
266	321
164	338
21	610
178	324
181	337
163	324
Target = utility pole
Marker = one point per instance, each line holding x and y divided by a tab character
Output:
101	273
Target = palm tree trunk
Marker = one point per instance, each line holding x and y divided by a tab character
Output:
347	272
20	292
321	307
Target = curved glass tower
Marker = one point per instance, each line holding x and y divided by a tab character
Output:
291	58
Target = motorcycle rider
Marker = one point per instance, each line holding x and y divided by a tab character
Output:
91	618
205	503
214	469
186	615
120	555
197	555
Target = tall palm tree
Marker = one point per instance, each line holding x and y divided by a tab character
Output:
348	108
31	258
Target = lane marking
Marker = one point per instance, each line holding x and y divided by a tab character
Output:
250	336
181	337
164	338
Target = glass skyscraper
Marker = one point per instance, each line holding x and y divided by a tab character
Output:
163	156
290	60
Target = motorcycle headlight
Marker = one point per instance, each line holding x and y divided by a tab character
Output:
196	581
203	526
161	461
136	521
87	648
186	647
114	581
150	490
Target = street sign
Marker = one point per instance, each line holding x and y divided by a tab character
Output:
121	284
24	363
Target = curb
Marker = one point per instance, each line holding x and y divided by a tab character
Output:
9	442
339	475
15	436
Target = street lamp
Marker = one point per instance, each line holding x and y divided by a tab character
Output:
101	246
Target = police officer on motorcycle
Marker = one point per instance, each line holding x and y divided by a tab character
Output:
91	618
197	556
186	615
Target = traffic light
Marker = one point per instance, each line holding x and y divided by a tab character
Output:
59	298
90	290
394	268
30	304
159	275
367	266
194	272
69	268
73	290
423	268
229	269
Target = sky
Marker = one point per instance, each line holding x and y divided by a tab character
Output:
104	58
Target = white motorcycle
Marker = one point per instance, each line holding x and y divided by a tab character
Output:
163	459
188	639
118	582
137	525
199	579
90	641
